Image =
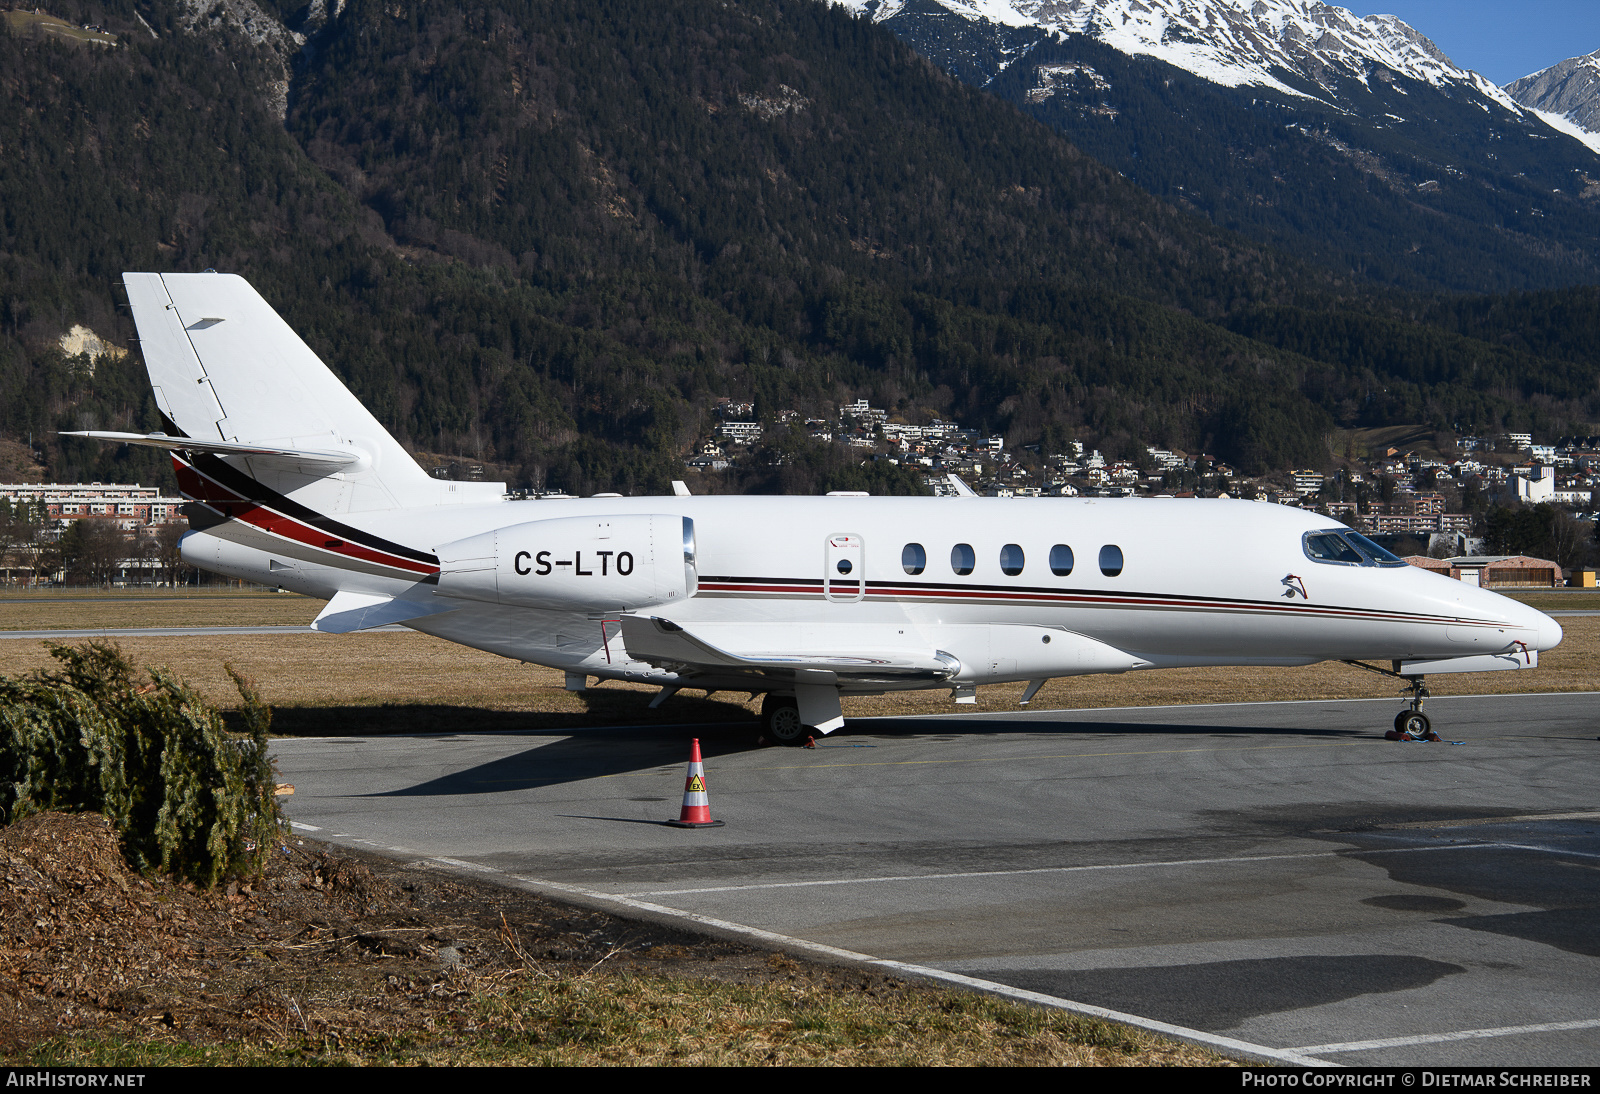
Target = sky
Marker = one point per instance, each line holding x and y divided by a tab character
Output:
1502	39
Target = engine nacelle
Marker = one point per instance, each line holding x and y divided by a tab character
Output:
592	564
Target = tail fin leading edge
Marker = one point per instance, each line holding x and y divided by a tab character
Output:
226	368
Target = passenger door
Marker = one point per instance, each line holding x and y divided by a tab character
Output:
844	570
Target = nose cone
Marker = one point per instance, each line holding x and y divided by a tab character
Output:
1547	629
1549	632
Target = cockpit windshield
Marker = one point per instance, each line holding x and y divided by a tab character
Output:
1373	551
1341	546
1331	547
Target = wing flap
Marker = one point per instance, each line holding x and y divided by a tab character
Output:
664	643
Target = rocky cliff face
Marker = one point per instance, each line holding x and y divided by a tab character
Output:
1293	46
1570	89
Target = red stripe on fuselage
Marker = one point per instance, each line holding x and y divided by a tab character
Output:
1044	597
231	504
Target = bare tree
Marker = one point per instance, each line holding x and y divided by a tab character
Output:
1573	540
25	540
92	550
168	554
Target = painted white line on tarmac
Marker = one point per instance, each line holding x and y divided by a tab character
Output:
1071	869
1548	850
1474	822
1459	1035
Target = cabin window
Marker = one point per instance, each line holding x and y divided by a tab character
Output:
913	559
1111	560
1061	560
963	558
844	566
1011	560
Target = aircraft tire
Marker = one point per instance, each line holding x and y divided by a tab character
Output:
1413	722
780	720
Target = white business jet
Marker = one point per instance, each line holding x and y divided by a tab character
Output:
804	599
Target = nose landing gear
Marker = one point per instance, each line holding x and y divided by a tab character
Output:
1410	724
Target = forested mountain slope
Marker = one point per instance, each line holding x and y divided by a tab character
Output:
551	233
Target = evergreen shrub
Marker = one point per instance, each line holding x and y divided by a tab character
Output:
186	796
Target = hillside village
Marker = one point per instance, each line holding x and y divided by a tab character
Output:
1433	500
1437	498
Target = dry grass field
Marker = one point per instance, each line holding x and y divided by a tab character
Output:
81	609
409	682
48	26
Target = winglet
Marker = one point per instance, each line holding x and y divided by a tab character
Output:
960	486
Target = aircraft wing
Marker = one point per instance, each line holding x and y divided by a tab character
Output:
333	460
665	644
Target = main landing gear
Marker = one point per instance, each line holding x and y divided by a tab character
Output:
780	721
1410	724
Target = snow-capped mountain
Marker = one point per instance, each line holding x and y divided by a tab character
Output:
1353	141
1566	94
1296	47
1230	42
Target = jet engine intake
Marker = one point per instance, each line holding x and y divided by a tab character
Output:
601	563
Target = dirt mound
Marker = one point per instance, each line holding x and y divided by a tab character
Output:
79	929
324	946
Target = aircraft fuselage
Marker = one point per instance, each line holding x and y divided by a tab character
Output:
1199	583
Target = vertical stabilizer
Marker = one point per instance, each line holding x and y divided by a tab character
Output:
226	367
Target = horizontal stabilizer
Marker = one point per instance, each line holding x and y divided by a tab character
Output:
333	460
348	612
664	643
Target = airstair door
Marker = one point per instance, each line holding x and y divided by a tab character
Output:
844	570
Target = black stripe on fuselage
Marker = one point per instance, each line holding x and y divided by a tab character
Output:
1011	594
249	489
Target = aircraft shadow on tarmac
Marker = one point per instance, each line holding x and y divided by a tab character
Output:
1544	865
1219	995
1030	722
603	710
588	752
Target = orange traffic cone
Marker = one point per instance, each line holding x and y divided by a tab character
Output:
696	805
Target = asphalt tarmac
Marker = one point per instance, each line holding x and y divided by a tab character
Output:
1276	874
